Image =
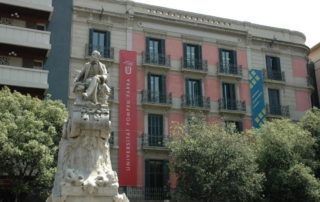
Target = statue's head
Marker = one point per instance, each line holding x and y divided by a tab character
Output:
95	56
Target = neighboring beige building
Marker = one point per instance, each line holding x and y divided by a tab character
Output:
314	56
187	62
24	45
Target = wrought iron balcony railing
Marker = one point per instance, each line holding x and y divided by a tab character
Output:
153	97
147	193
156	59
194	64
274	75
188	101
229	69
232	105
278	110
105	51
149	140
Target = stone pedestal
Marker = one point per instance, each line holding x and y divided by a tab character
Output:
77	194
84	168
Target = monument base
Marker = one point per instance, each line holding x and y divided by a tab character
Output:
76	194
86	199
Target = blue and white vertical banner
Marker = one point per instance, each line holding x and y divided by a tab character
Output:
257	97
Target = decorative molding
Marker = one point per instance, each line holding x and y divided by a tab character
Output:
229	44
100	24
192	39
149	32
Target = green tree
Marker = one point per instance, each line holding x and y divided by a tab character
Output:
284	152
29	132
213	164
311	122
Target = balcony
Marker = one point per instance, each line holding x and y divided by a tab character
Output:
274	76
232	106
24	77
277	111
151	98
156	60
229	70
194	65
107	53
154	142
43	5
21	36
143	194
198	103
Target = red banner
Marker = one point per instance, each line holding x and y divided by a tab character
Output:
128	118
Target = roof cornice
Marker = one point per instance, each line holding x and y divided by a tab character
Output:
206	20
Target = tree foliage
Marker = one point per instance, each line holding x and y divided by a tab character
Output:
311	122
213	164
285	155
29	132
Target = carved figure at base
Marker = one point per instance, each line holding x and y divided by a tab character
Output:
91	82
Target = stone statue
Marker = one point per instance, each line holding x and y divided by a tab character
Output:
90	84
84	171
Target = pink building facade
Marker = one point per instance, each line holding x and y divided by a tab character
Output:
189	64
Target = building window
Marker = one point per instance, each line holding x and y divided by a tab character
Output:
273	68
228	61
155	51
100	41
155	130
156	179
194	92
274	101
229	96
192	56
157	88
237	124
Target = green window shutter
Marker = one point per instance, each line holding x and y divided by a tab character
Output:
234	58
269	63
90	44
149	81
185	55
107	44
163	87
220	57
278	64
162	47
166	174
147	52
147	44
162	52
186	86
199	56
147	172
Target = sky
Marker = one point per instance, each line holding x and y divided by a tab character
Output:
297	15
